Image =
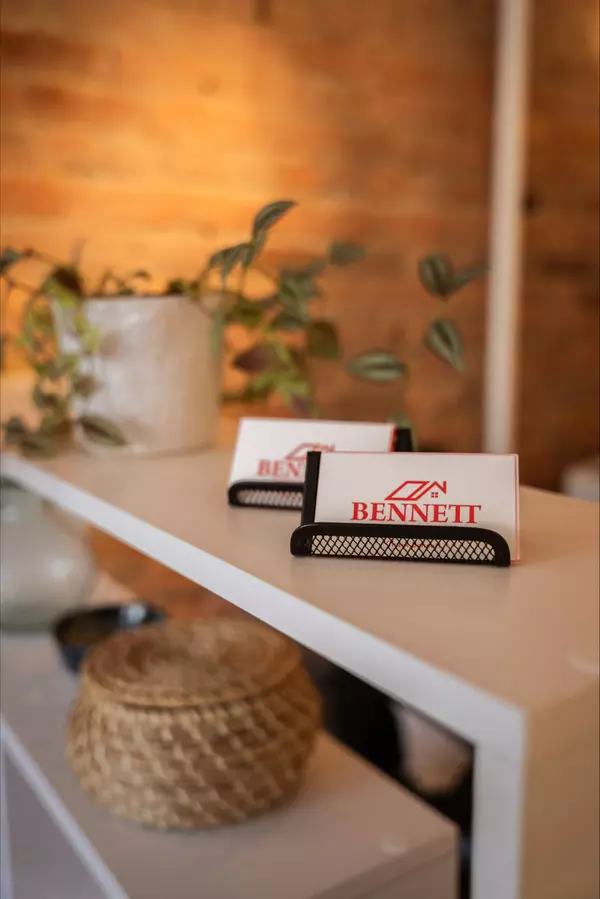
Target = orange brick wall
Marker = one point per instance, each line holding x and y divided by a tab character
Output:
560	329
154	128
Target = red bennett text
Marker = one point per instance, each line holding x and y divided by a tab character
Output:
282	469
414	513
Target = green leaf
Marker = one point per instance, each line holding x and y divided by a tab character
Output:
43	369
436	273
217	259
285	354
238	254
80	323
466	275
40	398
25	341
301	280
46	440
66	366
58	426
245	312
322	340
288	321
177	287
255	248
14	430
8	257
262	385
65	283
90	340
444	341
381	366
289	297
295	392
84	385
296	288
90	337
315	267
343	252
259	358
101	430
227	259
258	389
269	215
44	400
39	445
267	303
40	319
297	359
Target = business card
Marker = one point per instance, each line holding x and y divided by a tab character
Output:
455	489
274	449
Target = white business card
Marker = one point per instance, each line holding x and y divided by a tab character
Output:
472	489
274	449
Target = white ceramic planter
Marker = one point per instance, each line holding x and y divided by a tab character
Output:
157	376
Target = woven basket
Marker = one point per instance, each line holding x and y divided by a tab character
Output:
193	724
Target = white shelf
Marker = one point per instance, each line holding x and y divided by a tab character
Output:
350	832
508	658
439	638
44	866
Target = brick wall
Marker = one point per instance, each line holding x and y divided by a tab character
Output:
154	128
560	330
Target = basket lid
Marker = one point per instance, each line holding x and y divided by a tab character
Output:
190	663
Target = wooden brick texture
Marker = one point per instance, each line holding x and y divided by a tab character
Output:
154	129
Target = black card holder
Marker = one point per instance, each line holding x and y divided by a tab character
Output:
266	495
400	542
285	494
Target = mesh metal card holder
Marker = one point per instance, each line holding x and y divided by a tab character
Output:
266	495
289	495
402	542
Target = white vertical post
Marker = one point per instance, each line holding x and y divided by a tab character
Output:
508	169
496	865
6	882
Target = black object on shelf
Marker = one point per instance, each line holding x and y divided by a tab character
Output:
401	542
289	495
266	494
403	440
79	630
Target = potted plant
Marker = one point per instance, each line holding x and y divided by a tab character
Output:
441	280
124	368
116	365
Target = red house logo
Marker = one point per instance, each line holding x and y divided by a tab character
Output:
304	448
415	490
293	465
